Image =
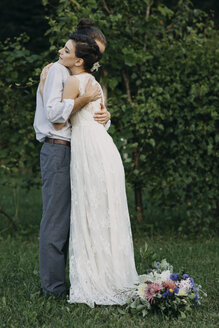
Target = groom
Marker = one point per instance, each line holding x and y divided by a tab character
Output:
55	171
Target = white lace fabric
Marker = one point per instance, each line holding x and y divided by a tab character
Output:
102	266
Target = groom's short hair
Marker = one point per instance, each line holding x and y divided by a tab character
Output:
86	26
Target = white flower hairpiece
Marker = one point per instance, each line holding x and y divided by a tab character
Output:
95	67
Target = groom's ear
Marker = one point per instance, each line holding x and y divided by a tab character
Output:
79	62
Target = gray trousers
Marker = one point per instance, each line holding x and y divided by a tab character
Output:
55	223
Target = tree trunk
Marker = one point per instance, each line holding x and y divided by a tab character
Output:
148	9
137	188
138	192
138	203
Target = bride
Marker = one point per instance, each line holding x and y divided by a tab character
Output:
101	257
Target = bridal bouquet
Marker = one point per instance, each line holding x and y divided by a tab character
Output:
165	291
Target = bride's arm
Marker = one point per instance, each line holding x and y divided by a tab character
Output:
71	91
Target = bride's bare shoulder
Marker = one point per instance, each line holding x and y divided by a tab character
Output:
72	79
71	88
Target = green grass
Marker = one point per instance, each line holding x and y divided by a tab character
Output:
22	306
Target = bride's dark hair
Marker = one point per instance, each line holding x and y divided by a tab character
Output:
86	26
87	49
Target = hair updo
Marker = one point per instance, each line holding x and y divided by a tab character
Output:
86	26
87	49
85	23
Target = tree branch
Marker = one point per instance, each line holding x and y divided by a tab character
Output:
148	9
106	8
9	218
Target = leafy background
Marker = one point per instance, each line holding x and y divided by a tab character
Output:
160	75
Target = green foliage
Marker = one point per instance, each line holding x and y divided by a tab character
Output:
161	72
19	74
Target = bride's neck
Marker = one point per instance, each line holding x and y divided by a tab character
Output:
77	70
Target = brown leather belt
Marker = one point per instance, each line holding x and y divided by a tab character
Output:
58	141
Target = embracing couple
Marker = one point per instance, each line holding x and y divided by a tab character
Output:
83	184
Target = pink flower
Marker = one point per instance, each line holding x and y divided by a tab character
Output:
169	284
151	290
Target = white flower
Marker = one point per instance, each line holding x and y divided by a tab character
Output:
184	286
164	265
95	67
142	278
162	277
155	277
141	289
165	275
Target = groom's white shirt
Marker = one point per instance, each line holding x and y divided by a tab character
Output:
51	109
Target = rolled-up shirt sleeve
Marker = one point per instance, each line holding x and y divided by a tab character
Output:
57	110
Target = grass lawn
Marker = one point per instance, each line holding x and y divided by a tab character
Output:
22	306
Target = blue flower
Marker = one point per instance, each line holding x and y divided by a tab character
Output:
195	301
176	290
158	264
185	276
174	276
164	295
192	282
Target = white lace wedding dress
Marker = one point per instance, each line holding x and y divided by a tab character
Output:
102	266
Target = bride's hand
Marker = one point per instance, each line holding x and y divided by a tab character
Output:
102	116
92	91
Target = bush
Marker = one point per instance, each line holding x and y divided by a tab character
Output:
160	71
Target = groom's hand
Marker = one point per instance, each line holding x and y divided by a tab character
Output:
43	77
102	116
44	72
92	91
